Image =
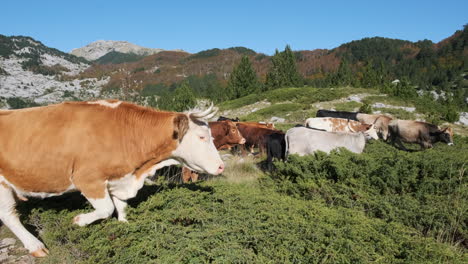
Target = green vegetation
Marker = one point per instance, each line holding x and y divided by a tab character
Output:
206	53
274	110
18	103
426	191
182	99
115	57
283	72
243	50
243	80
348	106
303	95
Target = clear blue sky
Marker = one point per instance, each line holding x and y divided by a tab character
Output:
260	25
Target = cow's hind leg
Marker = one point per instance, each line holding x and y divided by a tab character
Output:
100	199
10	219
120	208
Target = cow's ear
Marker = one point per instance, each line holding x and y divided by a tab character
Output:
181	126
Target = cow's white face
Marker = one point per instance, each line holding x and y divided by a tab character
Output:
197	150
371	133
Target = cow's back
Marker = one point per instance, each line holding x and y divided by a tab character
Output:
43	148
303	141
337	114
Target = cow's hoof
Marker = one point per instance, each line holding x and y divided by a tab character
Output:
76	221
123	220
40	253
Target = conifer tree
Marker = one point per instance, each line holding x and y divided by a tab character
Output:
243	80
182	99
283	72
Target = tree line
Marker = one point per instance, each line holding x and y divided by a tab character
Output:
395	67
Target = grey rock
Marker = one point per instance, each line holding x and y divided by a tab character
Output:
276	119
7	242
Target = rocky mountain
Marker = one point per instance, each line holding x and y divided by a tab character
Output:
97	49
33	72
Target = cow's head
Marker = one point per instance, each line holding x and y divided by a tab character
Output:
196	149
446	135
371	132
232	134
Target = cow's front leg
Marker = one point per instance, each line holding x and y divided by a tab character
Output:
120	208
103	205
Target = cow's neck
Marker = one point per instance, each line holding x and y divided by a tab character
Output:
147	137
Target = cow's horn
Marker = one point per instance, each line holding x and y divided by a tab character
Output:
208	113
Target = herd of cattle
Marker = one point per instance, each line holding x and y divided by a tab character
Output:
328	131
105	149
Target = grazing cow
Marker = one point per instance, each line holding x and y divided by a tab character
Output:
276	148
104	149
422	133
304	141
331	124
337	114
380	123
254	135
223	118
225	135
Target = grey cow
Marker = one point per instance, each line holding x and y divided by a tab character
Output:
303	141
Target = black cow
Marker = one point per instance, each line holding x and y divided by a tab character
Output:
276	148
337	114
222	118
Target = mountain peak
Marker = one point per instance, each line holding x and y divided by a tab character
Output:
100	48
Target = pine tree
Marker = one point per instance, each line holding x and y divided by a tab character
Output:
283	72
243	80
182	99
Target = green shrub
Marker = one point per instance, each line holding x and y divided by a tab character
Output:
425	190
365	108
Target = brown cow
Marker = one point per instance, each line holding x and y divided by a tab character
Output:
225	135
260	124
254	134
380	123
422	133
104	149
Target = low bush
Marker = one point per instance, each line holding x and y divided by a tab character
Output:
427	190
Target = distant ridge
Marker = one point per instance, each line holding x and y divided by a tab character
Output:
97	49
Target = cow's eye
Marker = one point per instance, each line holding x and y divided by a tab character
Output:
202	137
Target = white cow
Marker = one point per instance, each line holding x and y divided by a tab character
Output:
304	141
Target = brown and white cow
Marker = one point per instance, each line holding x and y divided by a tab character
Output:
104	149
332	124
225	135
422	133
380	123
